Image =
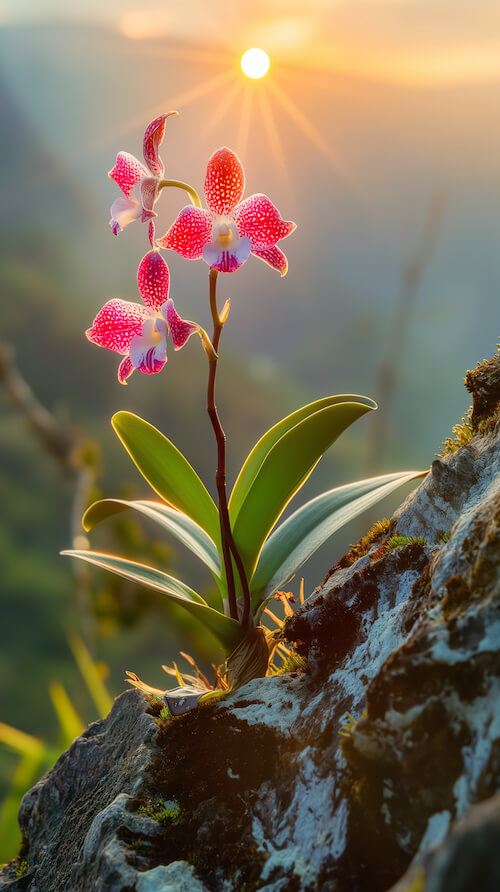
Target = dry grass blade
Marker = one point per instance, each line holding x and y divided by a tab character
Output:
134	680
199	674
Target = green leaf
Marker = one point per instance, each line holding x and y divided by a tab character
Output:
21	742
310	526
29	769
270	438
180	525
167	471
228	631
91	676
284	469
70	722
36	758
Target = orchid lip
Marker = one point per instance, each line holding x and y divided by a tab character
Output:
226	259
225	234
148	350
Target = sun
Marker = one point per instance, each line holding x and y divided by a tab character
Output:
255	63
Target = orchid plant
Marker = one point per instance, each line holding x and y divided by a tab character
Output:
236	537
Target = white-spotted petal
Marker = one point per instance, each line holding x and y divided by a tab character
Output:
125	370
181	330
149	195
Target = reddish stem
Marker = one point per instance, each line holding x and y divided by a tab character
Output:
228	544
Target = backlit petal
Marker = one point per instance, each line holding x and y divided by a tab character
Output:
153	138
116	324
149	194
224	181
188	234
229	260
274	257
124	211
125	370
258	218
151	233
127	171
180	329
148	350
153	280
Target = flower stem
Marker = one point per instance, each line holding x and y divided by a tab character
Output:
228	544
178	184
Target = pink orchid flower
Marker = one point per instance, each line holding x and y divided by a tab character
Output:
231	229
138	332
138	183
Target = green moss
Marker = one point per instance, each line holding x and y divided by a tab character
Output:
22	868
292	663
399	541
465	431
165	714
380	528
163	814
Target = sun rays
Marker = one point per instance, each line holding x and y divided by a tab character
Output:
229	97
274	140
244	120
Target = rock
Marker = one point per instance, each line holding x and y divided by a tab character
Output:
176	877
484	385
363	774
468	859
71	817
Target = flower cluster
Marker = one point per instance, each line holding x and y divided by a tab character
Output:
224	234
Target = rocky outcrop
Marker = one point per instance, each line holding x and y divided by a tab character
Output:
378	768
466	860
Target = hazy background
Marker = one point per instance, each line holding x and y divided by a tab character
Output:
377	130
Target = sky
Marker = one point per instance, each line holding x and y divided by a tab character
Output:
421	41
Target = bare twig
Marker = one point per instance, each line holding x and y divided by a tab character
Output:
56	437
76	460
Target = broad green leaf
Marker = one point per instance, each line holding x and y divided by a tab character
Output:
180	525
284	470
167	471
270	438
228	631
90	674
310	526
